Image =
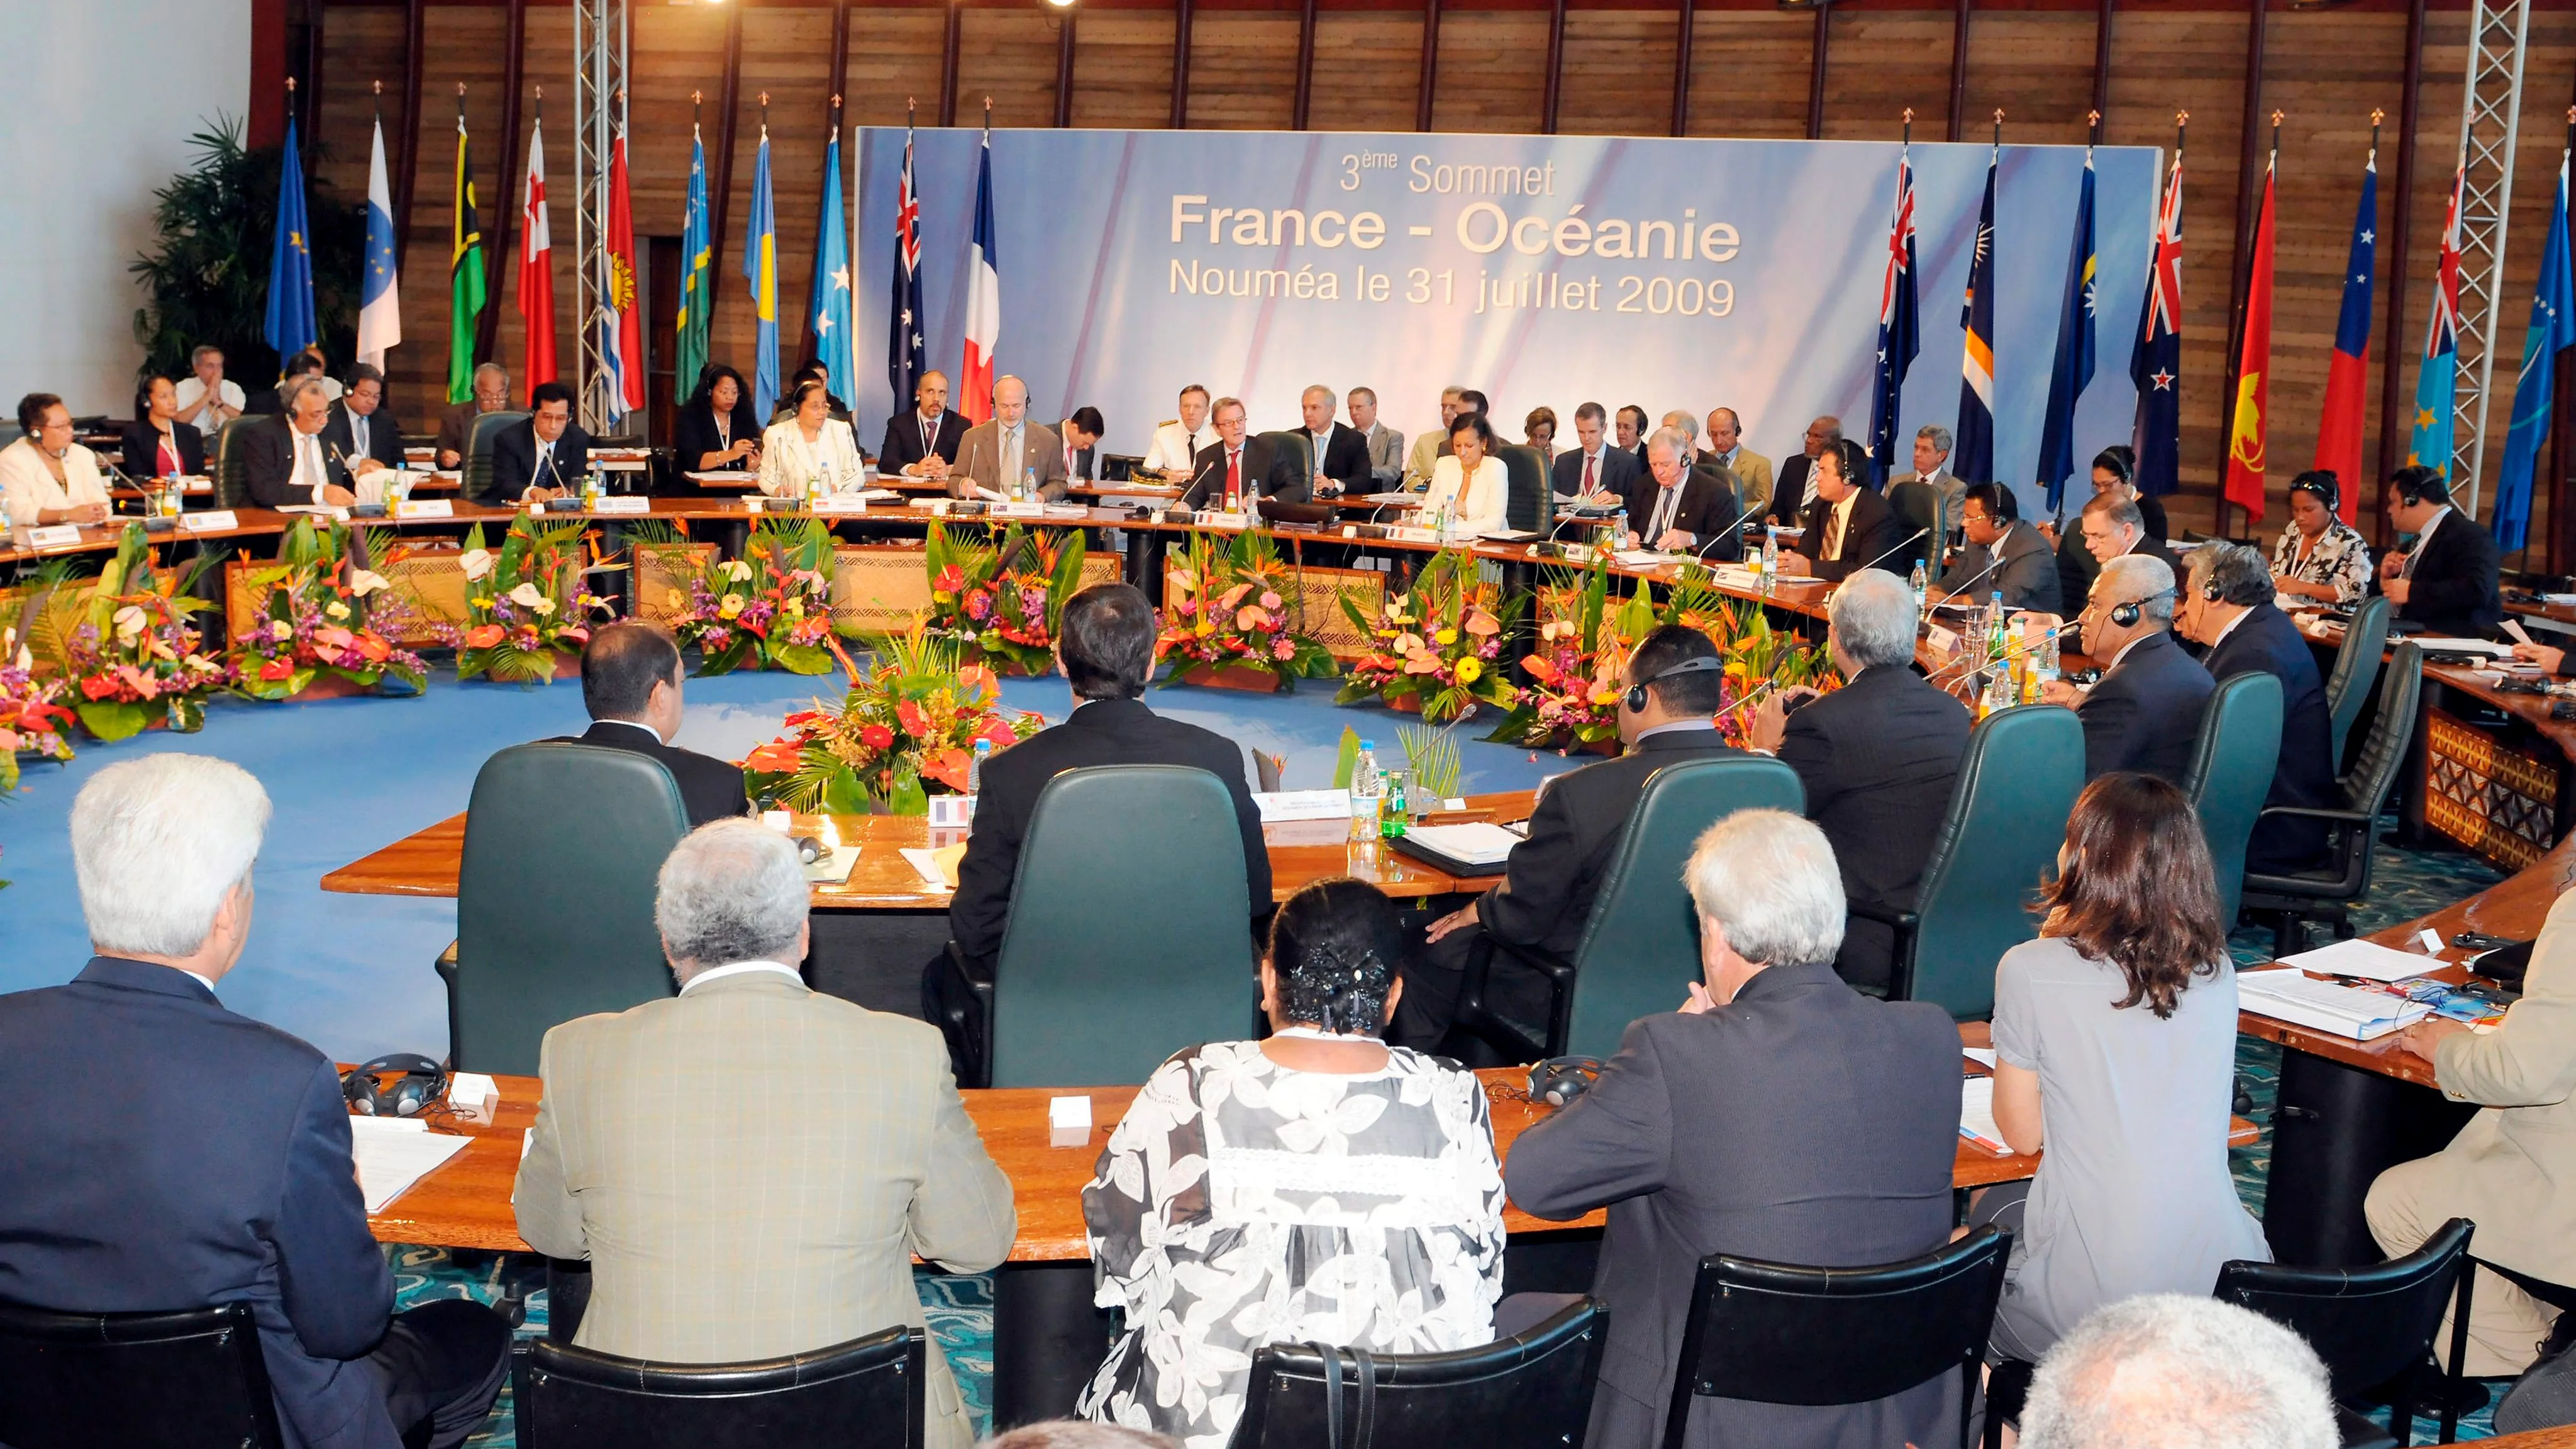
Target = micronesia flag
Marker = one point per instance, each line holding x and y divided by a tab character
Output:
1899	330
2348	375
1974	461
2073	369
907	356
379	298
760	269
2155	361
2553	330
2437	382
983	296
827	320
289	325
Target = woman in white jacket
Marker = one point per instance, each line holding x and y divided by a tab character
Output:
1469	482
810	444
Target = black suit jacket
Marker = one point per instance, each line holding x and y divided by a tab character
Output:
1878	758
165	1153
1707	512
1874	532
1618	470
268	462
709	788
2453	590
693	434
143	448
903	447
384	435
1267	473
1344	458
2265	639
514	462
1789	491
1103	732
1552	876
2077	568
2145	713
1801	1123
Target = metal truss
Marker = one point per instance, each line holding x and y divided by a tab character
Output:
2490	107
599	36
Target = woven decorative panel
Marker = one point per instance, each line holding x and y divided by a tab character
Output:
663	572
2501	804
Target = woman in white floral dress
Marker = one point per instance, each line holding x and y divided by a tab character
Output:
2320	559
1319	1186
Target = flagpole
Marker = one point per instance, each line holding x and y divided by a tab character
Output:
2559	419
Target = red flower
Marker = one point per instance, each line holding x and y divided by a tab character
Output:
914	722
998	730
949	767
98	686
483	636
277	669
877	737
778	756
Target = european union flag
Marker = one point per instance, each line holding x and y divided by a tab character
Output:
2074	366
289	327
2553	330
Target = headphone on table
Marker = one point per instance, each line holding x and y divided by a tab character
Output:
1636	700
1560	1080
423	1083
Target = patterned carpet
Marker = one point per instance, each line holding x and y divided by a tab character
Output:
2406	884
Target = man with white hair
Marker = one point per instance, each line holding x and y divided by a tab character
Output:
760	1186
1341	455
283	460
164	1153
2177	1372
2144	713
2227	610
1778	1114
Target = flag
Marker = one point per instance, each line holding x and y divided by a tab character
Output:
2553	330
1974	461
379	298
2437	380
697	276
2155	361
760	269
906	357
464	273
289	327
983	298
827	315
2347	376
2073	369
2244	486
537	268
1899	335
621	321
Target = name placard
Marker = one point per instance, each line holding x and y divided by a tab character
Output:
1942	640
425	508
1413	535
952	812
201	522
841	503
1017	510
613	503
54	535
1225	520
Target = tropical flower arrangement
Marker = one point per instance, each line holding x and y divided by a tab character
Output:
1003	601
1438	644
317	621
1576	672
1225	604
1760	660
134	659
526	606
905	731
31	719
769	609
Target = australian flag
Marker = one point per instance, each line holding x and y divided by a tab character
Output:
907	350
2155	364
1899	336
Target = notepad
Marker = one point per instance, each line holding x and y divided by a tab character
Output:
393	1153
1977	1115
2358	1012
1476	843
835	868
2366	959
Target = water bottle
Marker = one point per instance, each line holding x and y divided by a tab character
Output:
1368	793
813	489
1392	825
975	775
1919	583
1999	693
1029	486
1770	558
1618	528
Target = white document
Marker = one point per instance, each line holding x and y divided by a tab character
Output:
1977	1115
1982	1056
395	1152
2366	959
2463	646
2514	627
835	868
1475	843
2288	994
1280	805
1640	558
925	861
724	475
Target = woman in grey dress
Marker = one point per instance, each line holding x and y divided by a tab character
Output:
2118	1028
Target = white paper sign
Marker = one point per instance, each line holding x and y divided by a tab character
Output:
201	522
1019	510
54	535
842	503
951	812
624	504
425	508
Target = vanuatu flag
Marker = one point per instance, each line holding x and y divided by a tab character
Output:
465	275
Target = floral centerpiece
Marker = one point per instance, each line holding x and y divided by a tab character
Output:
134	659
1760	660
31	718
1001	602
317	620
769	609
1576	672
1437	644
905	731
1225	609
526	607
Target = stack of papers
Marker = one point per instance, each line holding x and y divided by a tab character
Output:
2366	959
395	1152
833	869
2432	645
1281	805
938	867
1977	1115
2360	1013
1477	843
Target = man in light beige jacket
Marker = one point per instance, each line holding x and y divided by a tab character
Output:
2512	1170
750	1166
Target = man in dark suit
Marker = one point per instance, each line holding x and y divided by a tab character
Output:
1793	489
2446	584
1592	467
541	458
1079	435
1681	509
2227	608
1105	649
1550	881
365	434
1848	527
2003	555
2144	713
630	683
1341	454
2111	526
924	442
1236	465
283	460
127	1192
1778	1115
1878	758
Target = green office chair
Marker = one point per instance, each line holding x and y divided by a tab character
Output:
1129	938
1299	448
232	486
1531	506
2017	784
1640	949
2329	892
1921	506
2231	771
478	450
2356	665
554	905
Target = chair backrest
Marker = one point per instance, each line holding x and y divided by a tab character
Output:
2231	771
1777	1333
1641	945
2367	1323
1531	502
1921	506
232	490
1529	1391
864	1394
186	1380
554	904
478	449
2017	784
1299	448
2392	731
2356	663
1076	1003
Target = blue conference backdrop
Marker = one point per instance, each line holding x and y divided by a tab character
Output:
1541	269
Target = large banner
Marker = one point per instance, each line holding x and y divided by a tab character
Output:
1541	269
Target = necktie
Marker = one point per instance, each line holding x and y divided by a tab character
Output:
1833	534
1665	508
1590	460
1233	472
358	435
929	434
1010	456
308	464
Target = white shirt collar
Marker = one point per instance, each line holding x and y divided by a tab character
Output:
1727	458
1676	725
193	976
2230	628
635	724
740	968
2430	524
2125	648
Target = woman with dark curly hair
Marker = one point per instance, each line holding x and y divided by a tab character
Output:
2120	1020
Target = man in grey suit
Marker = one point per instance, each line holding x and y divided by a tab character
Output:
2003	553
750	1166
1002	452
1778	1114
1385	444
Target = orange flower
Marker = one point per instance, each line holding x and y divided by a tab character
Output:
1539	669
776	756
949	767
1234	596
483	636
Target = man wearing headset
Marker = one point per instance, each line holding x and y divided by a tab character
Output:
2144	713
2446	583
1676	685
2227	609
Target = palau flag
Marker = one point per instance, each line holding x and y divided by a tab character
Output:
2073	369
2553	330
760	269
2347	376
1899	330
2437	381
379	297
907	355
2245	439
289	327
1974	461
464	273
827	320
983	296
2155	361
697	276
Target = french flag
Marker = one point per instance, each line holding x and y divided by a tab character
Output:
983	299
2348	375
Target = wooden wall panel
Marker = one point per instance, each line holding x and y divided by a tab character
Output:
1749	72
1122	69
1008	55
1618	74
1879	63
1493	71
2038	67
358	47
1243	70
1367	68
459	45
894	58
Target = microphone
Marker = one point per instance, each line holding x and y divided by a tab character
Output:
1991	565
2012	651
1195	478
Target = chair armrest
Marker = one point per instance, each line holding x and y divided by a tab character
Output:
446	964
1908	926
1903	921
2316	812
1556	968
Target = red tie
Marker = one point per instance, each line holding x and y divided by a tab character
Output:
1233	472
1588	461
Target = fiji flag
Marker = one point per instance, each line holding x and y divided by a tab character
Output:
760	268
827	323
907	358
379	299
2155	362
2074	366
1974	462
1899	334
2348	375
289	326
2437	381
2553	330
